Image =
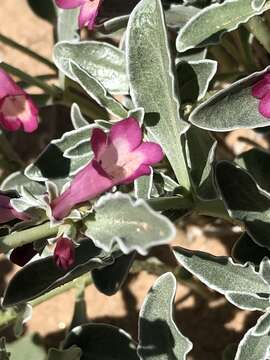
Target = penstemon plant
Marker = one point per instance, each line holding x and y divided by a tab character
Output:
148	90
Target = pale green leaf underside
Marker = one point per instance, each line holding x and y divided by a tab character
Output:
132	225
159	337
210	23
152	81
103	61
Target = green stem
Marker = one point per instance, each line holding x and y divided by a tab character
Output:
27	51
258	27
51	90
27	236
167	203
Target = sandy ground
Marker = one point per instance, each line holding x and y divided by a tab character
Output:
210	325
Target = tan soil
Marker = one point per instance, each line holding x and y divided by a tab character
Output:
210	325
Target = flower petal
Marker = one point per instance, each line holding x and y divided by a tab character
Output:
260	89
18	111
7	213
140	171
126	135
98	142
88	14
86	185
264	106
8	86
151	153
69	4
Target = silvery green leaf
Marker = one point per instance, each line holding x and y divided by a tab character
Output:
52	162
254	346
102	341
245	249
73	353
265	269
192	55
200	149
245	201
67	24
138	114
194	78
223	275
104	124
152	81
28	347
132	225
169	184
257	4
143	186
115	24
262	326
248	301
45	275
77	119
95	90
104	62
208	26
111	278
159	337
24	314
231	108
178	15
257	162
17	179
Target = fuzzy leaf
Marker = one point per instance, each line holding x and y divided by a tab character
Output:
132	225
78	121
102	341
238	107
143	186
257	163
96	91
211	23
194	78
159	337
200	153
41	276
17	179
152	82
254	346
73	353
245	201
111	278
223	275
104	62
55	162
27	347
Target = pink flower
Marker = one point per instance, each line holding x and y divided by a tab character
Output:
64	253
7	213
23	254
88	10
119	158
261	90
17	110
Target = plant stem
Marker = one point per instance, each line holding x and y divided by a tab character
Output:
27	51
27	236
258	27
167	203
48	89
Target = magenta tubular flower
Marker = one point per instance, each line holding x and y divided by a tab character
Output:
7	213
17	110
261	90
119	158
23	254
88	10
64	253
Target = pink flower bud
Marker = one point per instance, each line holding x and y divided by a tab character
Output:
261	90
17	110
88	10
64	253
119	158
